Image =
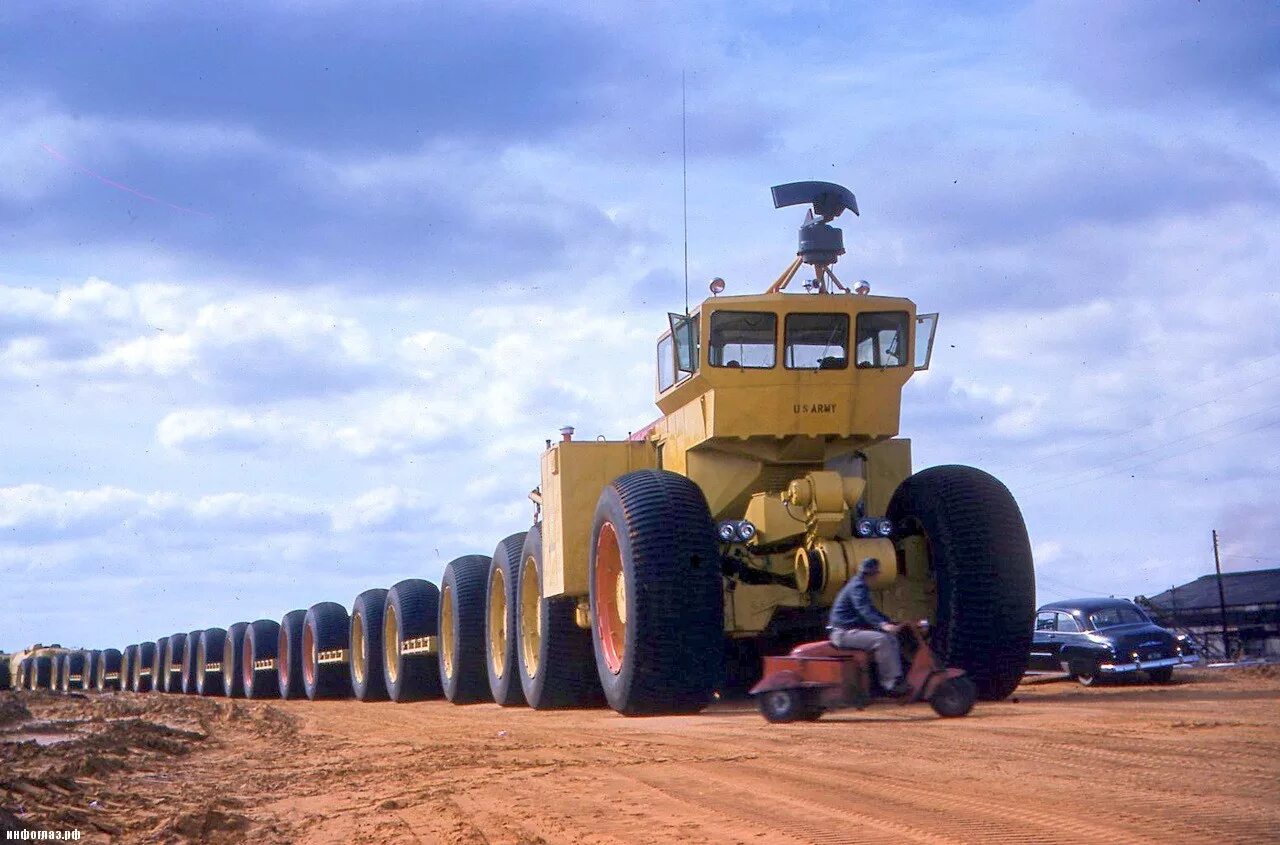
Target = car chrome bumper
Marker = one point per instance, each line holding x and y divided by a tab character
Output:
1140	665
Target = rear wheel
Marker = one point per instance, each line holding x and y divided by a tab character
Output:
501	620
107	675
786	705
208	665
410	640
232	657
462	630
367	679
289	655
1163	675
980	555
258	664
326	639
656	601
954	697
554	656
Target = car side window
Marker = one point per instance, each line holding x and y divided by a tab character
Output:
1047	621
1067	623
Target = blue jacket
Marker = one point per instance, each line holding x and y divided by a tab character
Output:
854	609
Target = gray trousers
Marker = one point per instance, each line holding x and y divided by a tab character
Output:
884	647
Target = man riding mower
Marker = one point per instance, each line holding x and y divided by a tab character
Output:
861	662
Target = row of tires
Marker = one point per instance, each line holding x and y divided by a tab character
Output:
389	645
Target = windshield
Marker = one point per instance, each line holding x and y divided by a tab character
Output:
743	339
882	338
817	341
1109	617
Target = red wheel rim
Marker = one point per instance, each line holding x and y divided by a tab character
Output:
611	610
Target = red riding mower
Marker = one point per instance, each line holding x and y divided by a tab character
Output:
817	677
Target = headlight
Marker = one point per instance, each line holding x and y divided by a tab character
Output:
884	527
746	531
727	532
865	527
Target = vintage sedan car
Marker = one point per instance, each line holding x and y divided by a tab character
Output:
1092	639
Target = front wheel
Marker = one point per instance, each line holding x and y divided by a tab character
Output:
1163	675
979	552
780	706
656	603
954	697
1086	673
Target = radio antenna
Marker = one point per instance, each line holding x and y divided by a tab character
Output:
684	183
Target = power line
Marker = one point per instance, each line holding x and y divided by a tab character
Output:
1103	469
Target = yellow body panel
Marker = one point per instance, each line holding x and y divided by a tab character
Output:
573	474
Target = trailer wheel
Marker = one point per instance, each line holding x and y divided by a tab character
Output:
367	679
557	667
175	657
326	640
981	558
258	660
208	665
144	668
462	629
410	640
656	602
289	656
954	697
107	676
189	662
501	619
232	656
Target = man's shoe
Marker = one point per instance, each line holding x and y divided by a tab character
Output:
899	689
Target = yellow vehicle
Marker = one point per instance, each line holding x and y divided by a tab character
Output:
728	526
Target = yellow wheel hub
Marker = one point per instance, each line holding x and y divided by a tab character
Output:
530	616
448	647
391	645
498	621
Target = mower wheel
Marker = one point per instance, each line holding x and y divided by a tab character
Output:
954	697
780	706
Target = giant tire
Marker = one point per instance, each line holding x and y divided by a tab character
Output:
557	667
143	667
175	653
232	657
6	678
73	672
55	673
189	662
158	668
367	680
92	658
500	641
657	607
258	676
410	617
462	630
981	557
127	658
208	665
24	668
107	678
289	656
326	628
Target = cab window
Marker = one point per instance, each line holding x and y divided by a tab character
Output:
666	364
882	339
1047	621
816	342
1067	623
743	339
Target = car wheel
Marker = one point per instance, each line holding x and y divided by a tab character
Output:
1086	674
1163	675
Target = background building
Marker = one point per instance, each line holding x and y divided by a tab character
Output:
1250	604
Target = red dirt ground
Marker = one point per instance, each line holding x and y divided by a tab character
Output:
1196	761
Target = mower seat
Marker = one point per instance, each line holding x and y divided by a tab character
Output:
824	649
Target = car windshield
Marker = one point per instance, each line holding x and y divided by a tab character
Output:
1109	617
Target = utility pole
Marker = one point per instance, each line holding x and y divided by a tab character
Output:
1222	599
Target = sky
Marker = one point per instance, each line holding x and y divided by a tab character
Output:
292	293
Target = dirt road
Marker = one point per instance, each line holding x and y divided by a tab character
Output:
1195	762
